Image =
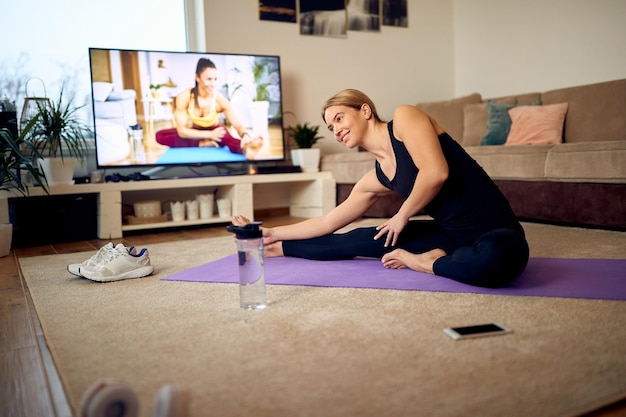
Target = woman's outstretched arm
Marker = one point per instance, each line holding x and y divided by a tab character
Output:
364	194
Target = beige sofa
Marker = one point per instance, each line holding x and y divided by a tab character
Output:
579	180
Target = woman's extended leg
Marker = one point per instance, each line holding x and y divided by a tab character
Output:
169	137
417	237
228	140
248	148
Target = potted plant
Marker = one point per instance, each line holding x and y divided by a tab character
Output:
15	159
154	89
61	137
264	75
305	136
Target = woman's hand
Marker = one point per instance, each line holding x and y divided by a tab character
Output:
392	228
218	133
240	220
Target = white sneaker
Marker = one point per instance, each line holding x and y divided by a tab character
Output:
119	264
95	259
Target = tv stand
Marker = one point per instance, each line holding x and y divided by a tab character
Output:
278	169
310	194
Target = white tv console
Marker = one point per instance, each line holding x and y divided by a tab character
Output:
310	194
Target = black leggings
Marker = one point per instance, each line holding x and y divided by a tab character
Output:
490	258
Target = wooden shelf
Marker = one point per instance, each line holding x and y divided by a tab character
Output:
310	193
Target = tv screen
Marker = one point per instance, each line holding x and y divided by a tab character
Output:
160	109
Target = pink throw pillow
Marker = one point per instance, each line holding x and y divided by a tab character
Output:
537	124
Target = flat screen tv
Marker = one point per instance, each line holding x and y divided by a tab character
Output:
155	109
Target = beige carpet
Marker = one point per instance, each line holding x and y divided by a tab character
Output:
335	351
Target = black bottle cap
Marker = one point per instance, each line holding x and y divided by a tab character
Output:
249	231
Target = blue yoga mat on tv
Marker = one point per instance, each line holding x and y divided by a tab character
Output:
199	155
603	279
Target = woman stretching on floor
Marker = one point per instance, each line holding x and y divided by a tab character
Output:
197	117
474	236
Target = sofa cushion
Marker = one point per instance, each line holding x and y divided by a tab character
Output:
449	114
474	123
498	123
475	116
511	162
101	90
531	125
595	113
589	161
348	167
122	95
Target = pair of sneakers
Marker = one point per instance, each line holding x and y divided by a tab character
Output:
114	263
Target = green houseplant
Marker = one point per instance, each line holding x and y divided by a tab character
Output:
154	89
61	137
16	153
16	156
305	136
265	74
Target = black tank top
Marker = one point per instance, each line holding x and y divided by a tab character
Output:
469	199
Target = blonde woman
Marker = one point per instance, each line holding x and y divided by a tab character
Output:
473	237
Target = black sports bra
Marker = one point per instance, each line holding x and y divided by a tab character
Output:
468	198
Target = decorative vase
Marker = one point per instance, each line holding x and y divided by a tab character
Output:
307	159
6	235
58	171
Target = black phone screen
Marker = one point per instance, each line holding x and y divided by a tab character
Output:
481	328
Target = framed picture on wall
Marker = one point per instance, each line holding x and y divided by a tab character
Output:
323	18
395	13
364	15
278	10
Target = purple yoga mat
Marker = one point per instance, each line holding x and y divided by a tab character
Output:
603	279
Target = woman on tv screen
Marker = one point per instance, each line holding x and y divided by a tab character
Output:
197	112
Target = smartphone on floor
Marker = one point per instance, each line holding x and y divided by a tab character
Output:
480	330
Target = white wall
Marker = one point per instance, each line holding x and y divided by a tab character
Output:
507	47
49	40
393	66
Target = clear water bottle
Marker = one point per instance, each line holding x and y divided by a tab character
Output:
251	265
136	144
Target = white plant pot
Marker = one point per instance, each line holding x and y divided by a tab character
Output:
58	171
6	236
259	112
307	159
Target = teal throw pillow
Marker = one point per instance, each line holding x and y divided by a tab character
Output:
498	123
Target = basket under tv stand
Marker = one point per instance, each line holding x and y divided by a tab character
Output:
310	194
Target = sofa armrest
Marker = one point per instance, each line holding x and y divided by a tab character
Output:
122	95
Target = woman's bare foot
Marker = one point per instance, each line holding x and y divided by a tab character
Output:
239	220
252	147
271	250
420	262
